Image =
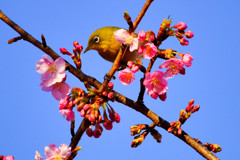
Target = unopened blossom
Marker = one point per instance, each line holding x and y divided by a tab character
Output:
149	51
52	71
174	66
180	26
126	76
189	34
9	157
187	60
54	153
154	83
184	42
69	113
108	125
135	68
142	35
122	36
59	90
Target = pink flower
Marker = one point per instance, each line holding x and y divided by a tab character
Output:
149	51
184	42
122	36
187	60
69	113
142	35
52	152
174	66
38	156
59	90
154	83
9	157
52	71
180	26
63	103
135	68
189	34
126	76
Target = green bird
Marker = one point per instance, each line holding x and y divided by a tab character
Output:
103	41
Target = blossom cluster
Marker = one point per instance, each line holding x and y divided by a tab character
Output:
155	83
53	76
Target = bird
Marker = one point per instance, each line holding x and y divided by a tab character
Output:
102	40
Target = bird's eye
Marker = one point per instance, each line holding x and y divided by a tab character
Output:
96	39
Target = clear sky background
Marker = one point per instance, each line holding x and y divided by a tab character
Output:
30	118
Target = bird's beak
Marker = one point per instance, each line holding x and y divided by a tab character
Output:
87	49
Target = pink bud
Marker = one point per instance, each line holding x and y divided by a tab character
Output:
151	35
89	131
184	42
104	93
97	133
64	51
141	36
135	68
108	125
180	26
75	43
154	95
79	48
110	85
163	97
110	95
130	64
117	117
189	34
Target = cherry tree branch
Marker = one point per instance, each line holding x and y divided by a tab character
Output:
140	107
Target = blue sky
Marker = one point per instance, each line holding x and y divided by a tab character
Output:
30	120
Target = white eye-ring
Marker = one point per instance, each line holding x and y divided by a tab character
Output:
96	39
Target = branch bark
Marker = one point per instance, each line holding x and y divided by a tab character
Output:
140	107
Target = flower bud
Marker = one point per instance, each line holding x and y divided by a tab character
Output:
196	108
89	131
156	135
191	102
151	35
110	95
79	48
104	93
163	97
75	44
184	42
189	34
130	64
108	125
142	35
97	132
135	68
110	85
64	51
180	26
154	95
117	117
